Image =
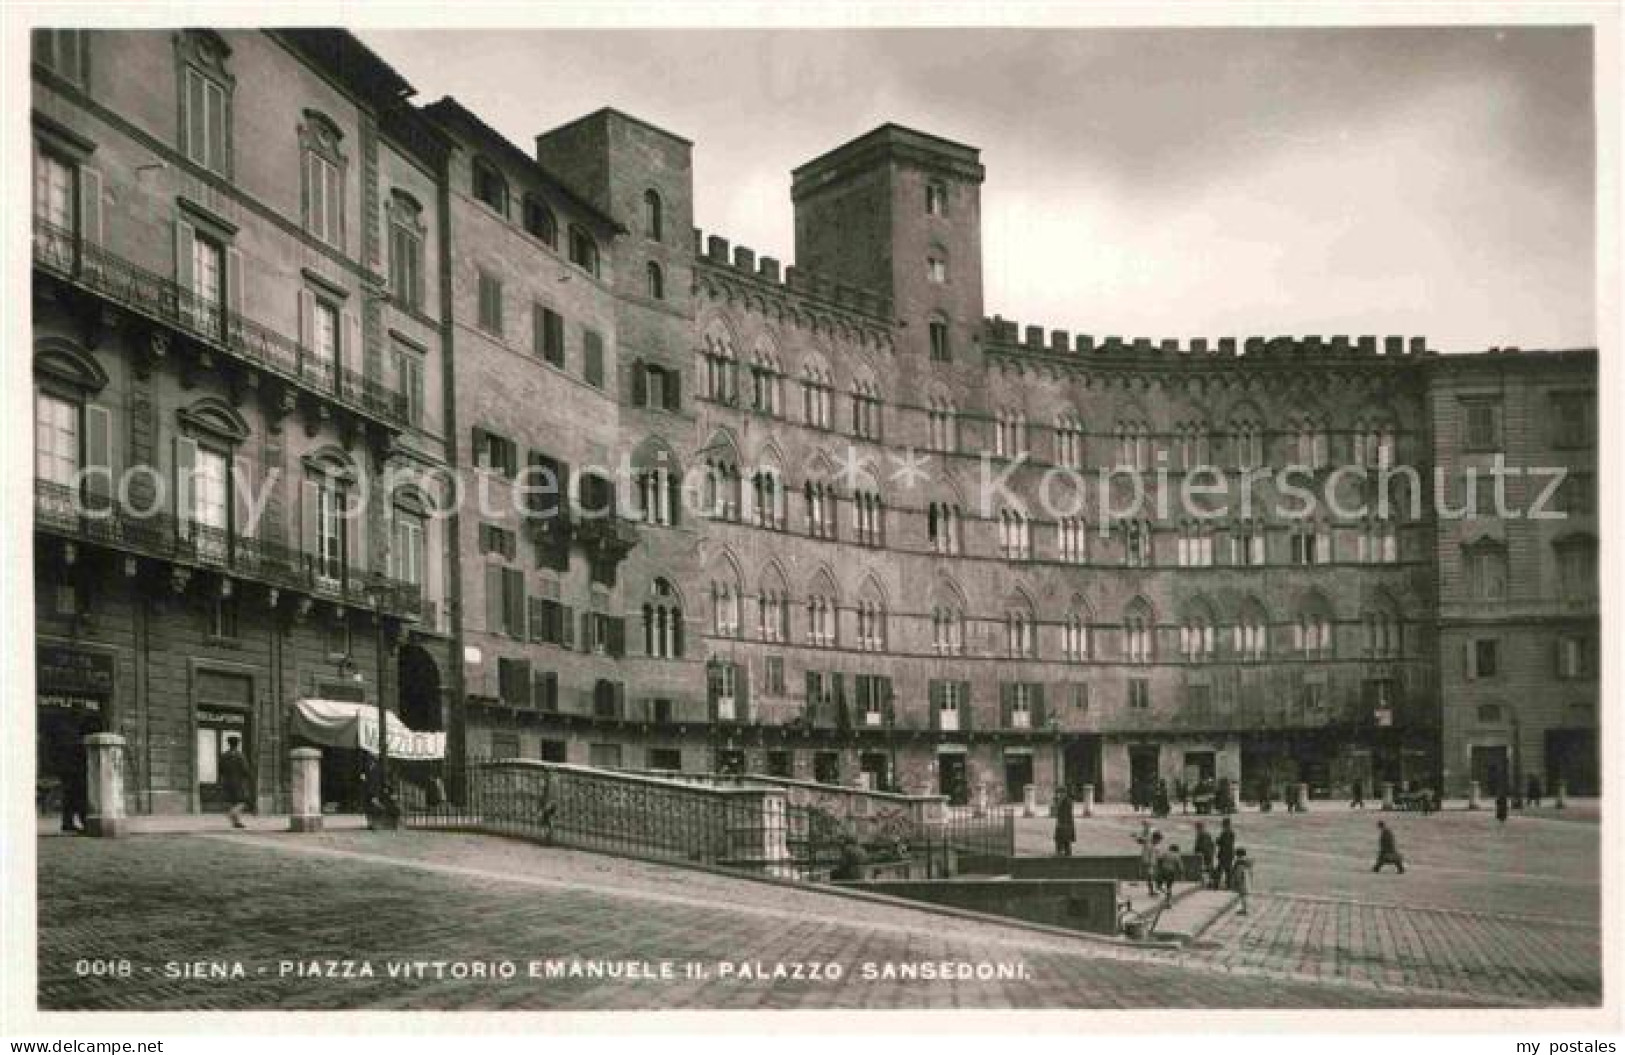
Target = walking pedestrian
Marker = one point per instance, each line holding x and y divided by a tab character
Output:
1357	799
1182	789
1533	790
234	781
1207	850
1387	849
1149	848
73	765
1501	808
1065	830
1227	855
1161	807
1170	870
1243	882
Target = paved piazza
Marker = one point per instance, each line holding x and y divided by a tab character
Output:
1482	917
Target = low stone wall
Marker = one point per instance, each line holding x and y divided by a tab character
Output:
1088	905
871	816
633	814
1122	867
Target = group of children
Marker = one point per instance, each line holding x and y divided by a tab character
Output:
1224	865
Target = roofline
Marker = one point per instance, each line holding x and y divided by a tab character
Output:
875	134
448	108
623	115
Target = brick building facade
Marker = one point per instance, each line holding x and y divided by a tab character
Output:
711	512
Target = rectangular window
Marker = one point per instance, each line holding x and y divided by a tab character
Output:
408	364
56	440
592	358
490	307
1139	694
324	348
936	199
940	352
210	497
513	686
583	251
324	199
63	52
1573	658
330	529
1484	658
1572	423
207	284
1482	420
773	675
547	335
53	192
203	120
406	552
406	266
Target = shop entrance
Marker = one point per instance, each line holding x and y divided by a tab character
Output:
1490	769
1200	766
874	768
1018	773
1142	769
225	703
1571	756
951	779
74	690
1081	759
217	728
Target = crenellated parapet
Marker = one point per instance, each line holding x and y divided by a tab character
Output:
1004	336
790	295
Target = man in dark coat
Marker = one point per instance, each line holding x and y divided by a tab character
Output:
1387	849
1357	799
234	782
73	766
1065	831
1227	855
1207	850
1532	790
1501	807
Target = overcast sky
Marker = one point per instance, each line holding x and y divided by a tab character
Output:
1158	183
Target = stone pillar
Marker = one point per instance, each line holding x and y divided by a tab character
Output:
763	841
1560	794
981	800
1387	794
1472	794
1301	791
105	759
1029	800
1087	797
307	790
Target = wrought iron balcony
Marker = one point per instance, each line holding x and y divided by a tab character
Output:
101	521
86	265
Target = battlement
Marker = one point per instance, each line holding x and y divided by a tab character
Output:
742	260
1008	336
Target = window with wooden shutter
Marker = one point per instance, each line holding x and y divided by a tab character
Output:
592	355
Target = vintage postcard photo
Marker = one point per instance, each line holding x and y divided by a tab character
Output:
651	517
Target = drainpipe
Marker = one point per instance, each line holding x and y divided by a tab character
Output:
456	736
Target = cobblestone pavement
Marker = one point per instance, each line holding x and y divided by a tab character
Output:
1545	960
264	904
1514	911
1454	860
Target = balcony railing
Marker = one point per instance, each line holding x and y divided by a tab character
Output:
59	510
64	253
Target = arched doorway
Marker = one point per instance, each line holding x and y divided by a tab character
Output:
419	678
